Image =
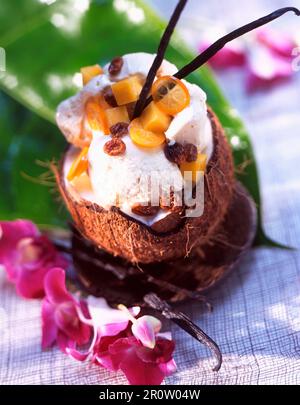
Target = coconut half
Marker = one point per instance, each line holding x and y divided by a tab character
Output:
172	237
103	275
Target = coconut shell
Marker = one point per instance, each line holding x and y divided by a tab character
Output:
135	242
104	275
123	236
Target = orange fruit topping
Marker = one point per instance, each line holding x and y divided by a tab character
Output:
89	72
196	167
79	166
96	116
144	138
170	95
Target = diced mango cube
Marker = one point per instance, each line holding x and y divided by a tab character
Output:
153	119
96	116
79	165
195	167
88	72
143	138
82	183
115	115
128	90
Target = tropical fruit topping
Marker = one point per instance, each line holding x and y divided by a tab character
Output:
146	139
170	95
115	115
153	119
79	166
96	116
199	165
89	72
128	90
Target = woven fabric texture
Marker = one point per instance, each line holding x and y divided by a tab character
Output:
256	317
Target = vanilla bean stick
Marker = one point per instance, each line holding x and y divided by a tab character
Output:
186	324
164	42
206	55
220	43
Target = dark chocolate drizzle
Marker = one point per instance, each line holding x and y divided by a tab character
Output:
121	269
164	42
157	285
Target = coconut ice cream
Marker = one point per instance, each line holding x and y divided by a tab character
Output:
124	180
123	177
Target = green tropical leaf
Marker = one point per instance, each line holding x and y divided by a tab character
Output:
27	143
46	43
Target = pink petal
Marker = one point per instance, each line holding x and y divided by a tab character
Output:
102	354
145	329
279	42
68	322
77	355
83	356
84	334
109	321
55	287
162	352
105	360
84	309
232	55
266	69
30	284
140	373
136	371
50	256
64	342
49	328
168	368
11	232
164	335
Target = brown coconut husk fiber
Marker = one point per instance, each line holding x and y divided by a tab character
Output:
104	275
133	241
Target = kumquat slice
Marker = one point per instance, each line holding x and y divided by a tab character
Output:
96	116
144	138
80	165
170	95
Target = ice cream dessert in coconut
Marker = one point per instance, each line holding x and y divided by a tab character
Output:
124	178
149	177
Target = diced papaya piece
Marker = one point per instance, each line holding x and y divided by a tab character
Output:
128	90
153	119
195	167
115	115
88	72
82	183
79	166
103	103
96	116
144	138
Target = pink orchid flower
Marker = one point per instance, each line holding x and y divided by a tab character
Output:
104	320
266	69
27	256
123	342
141	365
280	43
267	59
60	321
232	55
